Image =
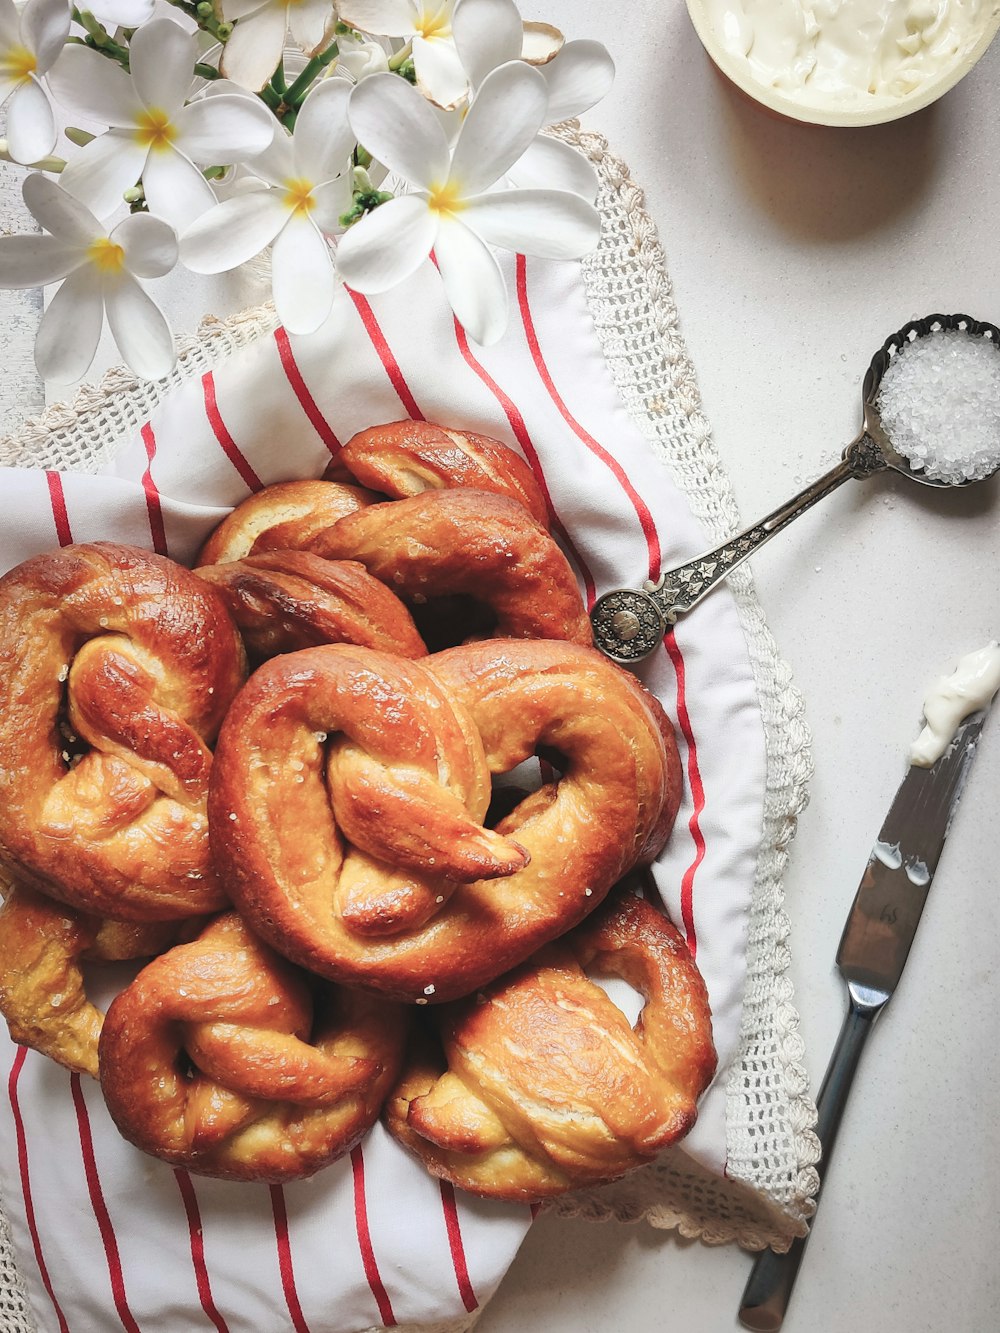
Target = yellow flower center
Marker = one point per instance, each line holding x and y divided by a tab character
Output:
433	22
445	198
154	130
18	63
298	195
105	255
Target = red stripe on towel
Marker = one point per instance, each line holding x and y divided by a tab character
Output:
365	1241
385	355
57	498
528	449
457	1248
655	560
639	505
229	446
101	1214
697	793
22	1166
153	508
285	1259
186	1187
307	402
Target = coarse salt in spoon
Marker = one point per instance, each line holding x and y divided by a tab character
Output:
931	401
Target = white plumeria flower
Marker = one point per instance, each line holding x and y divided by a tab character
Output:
153	135
251	54
121	13
360	56
451	210
310	178
100	269
488	33
29	44
426	24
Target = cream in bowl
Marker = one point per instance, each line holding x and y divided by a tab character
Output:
844	62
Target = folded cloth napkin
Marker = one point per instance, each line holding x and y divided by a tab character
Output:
104	1234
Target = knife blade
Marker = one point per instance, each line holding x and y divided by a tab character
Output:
879	931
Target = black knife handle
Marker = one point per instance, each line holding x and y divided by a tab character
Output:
769	1287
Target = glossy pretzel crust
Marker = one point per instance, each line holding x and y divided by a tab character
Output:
543	1085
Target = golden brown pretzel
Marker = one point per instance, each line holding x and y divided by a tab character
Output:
403	458
469	542
281	517
42	996
544	1085
285	600
136	658
222	1058
341	742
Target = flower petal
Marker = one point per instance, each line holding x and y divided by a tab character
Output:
540	43
55	209
217	131
276	164
233	232
35	261
31	129
174	187
251	55
330	201
140	329
506	114
302	280
93	88
487	33
551	164
551	224
581	76
323	140
101	172
10	24
473	282
44	29
162	57
386	18
69	330
387	245
440	75
395	124
311	23
150	245
122	13
233	10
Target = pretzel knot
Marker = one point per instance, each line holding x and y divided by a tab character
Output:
350	787
544	1085
116	669
218	1058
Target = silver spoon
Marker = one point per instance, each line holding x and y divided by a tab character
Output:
630	624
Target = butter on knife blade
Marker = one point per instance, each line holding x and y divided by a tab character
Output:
873	950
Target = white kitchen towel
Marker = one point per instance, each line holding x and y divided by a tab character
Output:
104	1235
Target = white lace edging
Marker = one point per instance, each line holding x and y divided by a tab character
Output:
766	1196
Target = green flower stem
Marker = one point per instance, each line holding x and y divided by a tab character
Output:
294	97
221	31
278	78
401	57
206	71
98	37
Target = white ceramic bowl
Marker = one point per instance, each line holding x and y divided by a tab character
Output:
739	72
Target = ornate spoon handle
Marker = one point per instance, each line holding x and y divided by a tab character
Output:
629	625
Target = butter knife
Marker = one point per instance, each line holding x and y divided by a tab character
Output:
877	937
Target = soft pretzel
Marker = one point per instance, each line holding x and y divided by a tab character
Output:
116	668
285	600
42	946
340	743
221	1058
403	458
544	1085
469	542
281	517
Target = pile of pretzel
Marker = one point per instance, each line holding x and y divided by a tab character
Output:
256	776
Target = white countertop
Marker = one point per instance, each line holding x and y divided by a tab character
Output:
794	252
